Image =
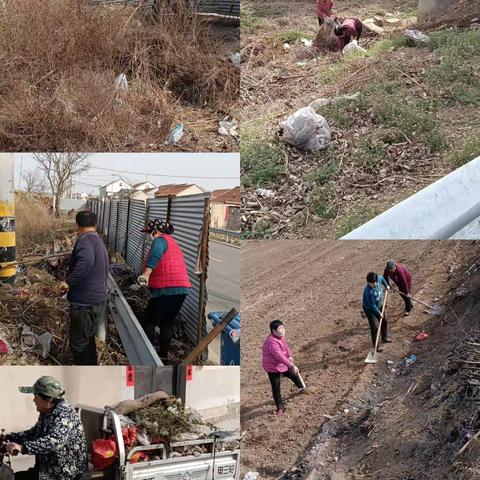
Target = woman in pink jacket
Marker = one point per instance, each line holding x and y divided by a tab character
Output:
278	361
325	9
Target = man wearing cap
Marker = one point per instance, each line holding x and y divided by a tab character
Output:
372	306
57	439
165	274
403	280
87	282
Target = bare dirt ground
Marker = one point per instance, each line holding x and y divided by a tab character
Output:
316	288
410	126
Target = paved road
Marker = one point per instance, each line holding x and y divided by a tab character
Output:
223	284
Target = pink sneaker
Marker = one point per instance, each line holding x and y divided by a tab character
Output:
279	412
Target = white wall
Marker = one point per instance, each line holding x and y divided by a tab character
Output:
95	386
214	390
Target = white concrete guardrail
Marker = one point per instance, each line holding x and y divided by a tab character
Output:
447	209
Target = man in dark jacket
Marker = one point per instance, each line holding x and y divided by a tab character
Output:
372	306
403	280
57	439
87	282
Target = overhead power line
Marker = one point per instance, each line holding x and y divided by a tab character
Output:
163	175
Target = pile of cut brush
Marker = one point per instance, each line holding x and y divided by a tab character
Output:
35	321
79	77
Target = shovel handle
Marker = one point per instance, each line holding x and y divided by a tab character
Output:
380	322
412	298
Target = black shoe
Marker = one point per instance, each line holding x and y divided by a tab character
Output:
387	340
379	349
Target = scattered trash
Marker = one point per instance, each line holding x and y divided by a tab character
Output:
346	410
301	64
417	37
306	42
421	336
265	193
175	135
4	347
352	47
306	130
390	362
39	343
286	46
324	101
135	287
251	476
121	82
410	360
228	126
236	59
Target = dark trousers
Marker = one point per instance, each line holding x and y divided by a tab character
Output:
276	380
83	328
162	312
30	474
373	320
408	302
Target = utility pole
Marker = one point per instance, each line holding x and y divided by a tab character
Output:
8	267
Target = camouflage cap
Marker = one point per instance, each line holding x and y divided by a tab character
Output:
46	385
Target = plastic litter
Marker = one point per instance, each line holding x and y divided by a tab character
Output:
4	347
103	453
251	476
417	37
324	101
421	336
352	47
228	126
306	130
265	193
287	46
410	360
236	59
38	343
306	42
175	135
121	82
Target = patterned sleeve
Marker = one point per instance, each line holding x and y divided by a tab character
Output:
21	437
57	436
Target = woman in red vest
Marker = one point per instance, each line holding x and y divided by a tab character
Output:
165	275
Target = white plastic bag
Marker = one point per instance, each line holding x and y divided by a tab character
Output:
121	82
306	130
417	36
351	47
175	135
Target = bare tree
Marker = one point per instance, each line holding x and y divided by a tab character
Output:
34	181
59	168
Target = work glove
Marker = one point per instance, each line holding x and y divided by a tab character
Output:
388	288
142	280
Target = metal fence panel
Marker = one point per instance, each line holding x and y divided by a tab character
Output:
122	225
106	220
135	236
112	224
187	216
230	8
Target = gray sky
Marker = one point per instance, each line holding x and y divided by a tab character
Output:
211	171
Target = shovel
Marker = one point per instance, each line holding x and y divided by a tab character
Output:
372	357
432	309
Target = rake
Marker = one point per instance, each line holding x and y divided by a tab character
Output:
372	357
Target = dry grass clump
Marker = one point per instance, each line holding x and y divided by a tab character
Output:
34	222
60	59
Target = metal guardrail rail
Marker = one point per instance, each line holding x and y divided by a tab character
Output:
138	347
226	233
447	209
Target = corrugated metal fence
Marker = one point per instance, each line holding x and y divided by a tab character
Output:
120	222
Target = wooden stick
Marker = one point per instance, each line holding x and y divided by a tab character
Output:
380	323
204	342
40	259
